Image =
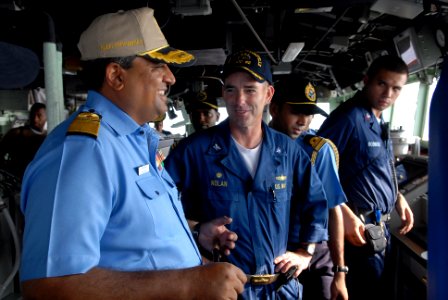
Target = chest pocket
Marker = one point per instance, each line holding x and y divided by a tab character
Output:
163	205
223	201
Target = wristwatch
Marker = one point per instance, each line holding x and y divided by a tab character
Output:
310	248
196	231
342	269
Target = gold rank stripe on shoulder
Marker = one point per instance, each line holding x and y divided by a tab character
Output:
335	150
316	142
86	123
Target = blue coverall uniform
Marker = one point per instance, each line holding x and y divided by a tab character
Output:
102	202
367	175
214	182
318	278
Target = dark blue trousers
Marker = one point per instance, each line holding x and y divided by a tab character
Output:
370	274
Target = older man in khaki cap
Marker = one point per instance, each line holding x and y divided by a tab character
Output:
103	217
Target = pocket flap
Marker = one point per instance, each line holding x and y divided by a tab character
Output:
149	187
374	231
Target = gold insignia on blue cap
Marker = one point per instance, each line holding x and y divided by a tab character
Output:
249	61
202	96
86	123
310	92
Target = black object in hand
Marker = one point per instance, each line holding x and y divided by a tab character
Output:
284	278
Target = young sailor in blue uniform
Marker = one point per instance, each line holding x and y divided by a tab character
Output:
292	109
367	175
260	178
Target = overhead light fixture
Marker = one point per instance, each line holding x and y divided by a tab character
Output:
292	51
313	10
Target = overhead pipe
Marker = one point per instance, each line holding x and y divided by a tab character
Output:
52	58
320	41
246	20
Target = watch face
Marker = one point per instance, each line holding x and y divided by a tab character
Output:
310	248
440	38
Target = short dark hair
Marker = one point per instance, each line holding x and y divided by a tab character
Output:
93	71
35	108
391	63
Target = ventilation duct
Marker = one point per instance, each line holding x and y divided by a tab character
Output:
192	7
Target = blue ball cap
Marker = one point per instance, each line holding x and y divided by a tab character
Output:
255	64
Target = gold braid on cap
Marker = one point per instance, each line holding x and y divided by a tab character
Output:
174	56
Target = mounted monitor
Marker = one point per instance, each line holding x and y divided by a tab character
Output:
417	49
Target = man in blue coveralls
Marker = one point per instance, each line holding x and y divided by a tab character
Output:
103	218
292	109
367	175
260	178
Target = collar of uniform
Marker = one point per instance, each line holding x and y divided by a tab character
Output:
111	114
221	142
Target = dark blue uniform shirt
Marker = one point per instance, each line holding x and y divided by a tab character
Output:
285	191
366	156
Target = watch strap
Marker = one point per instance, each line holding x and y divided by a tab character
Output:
340	269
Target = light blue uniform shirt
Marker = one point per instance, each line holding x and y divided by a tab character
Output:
102	202
327	170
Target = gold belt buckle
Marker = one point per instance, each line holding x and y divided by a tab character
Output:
262	279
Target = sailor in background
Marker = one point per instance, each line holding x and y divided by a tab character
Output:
203	110
20	144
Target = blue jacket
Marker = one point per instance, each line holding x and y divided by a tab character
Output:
266	210
366	168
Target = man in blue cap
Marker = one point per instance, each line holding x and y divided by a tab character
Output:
203	109
260	178
292	110
103	218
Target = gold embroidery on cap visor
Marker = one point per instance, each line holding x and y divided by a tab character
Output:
202	98
253	73
176	56
211	105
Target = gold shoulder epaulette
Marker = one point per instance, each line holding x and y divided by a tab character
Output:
85	123
335	150
315	141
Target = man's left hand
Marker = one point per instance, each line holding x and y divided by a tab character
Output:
214	234
338	287
300	258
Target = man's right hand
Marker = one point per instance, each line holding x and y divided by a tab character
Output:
353	227
217	281
215	234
